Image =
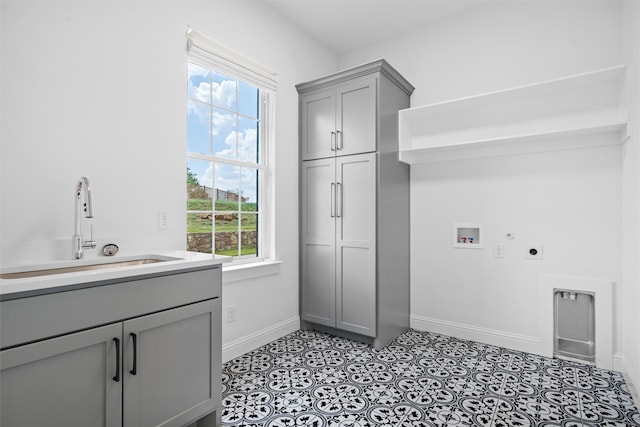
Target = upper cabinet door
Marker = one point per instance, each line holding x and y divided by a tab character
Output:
356	117
318	137
339	121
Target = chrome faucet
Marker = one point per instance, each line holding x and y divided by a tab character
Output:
79	244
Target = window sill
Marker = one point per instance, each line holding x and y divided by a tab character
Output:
240	272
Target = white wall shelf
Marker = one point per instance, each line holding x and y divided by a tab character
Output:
587	109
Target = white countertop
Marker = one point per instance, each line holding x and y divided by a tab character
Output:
173	261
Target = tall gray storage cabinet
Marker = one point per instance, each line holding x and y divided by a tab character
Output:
354	209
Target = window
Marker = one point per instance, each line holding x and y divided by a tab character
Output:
229	115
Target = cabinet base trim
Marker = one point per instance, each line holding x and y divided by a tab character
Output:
253	341
378	342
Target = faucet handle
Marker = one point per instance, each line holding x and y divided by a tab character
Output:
90	244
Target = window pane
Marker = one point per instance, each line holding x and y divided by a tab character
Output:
199	185
199	202
226	234
200	223
199	83
224	134
227	187
199	192
249	233
248	100
248	140
223	123
199	232
199	128
223	91
249	189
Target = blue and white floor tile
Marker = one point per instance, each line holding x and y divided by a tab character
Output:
420	380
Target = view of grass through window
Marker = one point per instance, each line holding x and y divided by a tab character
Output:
200	219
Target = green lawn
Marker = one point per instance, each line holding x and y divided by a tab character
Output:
221	205
234	252
195	224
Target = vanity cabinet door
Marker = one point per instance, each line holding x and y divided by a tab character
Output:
69	381
172	366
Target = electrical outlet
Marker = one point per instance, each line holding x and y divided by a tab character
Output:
231	314
533	252
163	219
498	250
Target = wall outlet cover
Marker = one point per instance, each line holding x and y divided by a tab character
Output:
498	250
232	314
163	219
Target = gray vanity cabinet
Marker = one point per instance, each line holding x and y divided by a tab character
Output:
137	353
354	204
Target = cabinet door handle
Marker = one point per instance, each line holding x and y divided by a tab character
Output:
339	200
339	141
134	369
333	141
117	376
333	197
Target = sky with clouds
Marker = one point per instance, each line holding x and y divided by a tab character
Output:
222	122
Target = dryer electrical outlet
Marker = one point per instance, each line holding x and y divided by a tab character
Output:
533	251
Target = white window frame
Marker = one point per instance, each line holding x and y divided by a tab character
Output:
206	52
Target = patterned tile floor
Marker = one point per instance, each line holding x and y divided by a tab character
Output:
421	379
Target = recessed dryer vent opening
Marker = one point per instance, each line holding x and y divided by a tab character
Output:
574	326
590	328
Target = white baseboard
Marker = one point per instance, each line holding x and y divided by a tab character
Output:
475	333
251	342
630	376
618	362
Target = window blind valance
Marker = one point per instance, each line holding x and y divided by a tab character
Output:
221	58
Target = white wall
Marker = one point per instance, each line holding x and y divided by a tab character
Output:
569	201
499	45
99	89
631	199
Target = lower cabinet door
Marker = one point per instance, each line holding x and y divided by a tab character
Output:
318	243
171	369
69	381
356	244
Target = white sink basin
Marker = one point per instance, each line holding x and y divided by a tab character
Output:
21	281
39	271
